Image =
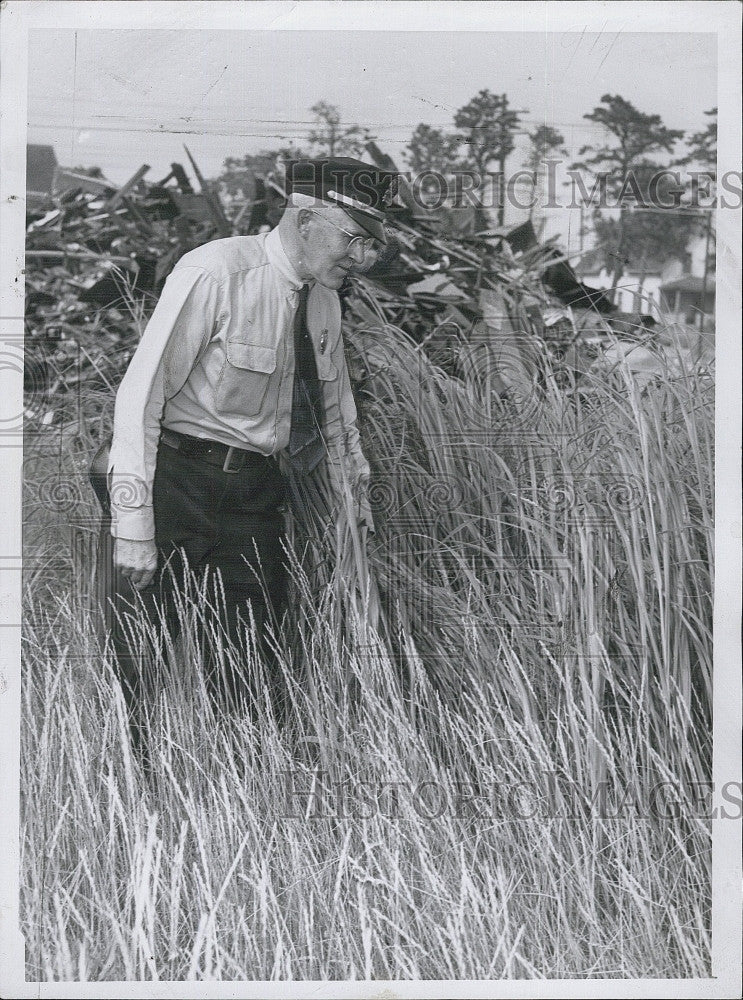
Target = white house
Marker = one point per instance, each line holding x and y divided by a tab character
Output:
677	290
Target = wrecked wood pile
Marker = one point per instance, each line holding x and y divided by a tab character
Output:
97	257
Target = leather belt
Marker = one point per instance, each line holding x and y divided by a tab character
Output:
227	457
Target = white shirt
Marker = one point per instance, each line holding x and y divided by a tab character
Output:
216	361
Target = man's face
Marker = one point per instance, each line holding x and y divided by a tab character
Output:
327	252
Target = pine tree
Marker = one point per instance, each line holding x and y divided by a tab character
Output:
544	142
625	162
330	137
489	125
433	149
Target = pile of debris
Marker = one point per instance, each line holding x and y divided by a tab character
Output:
449	280
93	242
97	257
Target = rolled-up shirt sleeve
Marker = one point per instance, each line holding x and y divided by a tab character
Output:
182	324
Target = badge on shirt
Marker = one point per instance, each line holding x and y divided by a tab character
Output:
323	341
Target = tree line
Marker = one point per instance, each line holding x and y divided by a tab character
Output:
634	146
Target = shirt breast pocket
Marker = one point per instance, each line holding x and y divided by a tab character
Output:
243	381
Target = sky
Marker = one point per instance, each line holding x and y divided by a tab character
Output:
118	98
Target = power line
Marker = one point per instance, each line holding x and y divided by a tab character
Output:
303	123
386	125
300	122
209	127
526	116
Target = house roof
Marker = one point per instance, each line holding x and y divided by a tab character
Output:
689	283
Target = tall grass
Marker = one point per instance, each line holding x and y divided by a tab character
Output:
524	647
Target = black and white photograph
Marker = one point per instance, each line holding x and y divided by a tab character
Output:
370	581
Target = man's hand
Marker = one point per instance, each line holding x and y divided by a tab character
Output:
136	560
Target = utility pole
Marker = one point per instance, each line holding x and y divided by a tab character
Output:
706	269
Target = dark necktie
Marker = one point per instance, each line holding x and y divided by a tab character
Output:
306	445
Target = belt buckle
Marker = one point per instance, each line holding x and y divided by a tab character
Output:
228	458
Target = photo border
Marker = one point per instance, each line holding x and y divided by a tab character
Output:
17	18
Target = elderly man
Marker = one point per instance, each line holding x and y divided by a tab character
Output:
239	372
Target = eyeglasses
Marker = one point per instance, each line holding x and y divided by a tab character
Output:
366	243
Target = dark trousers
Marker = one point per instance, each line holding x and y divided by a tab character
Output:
220	558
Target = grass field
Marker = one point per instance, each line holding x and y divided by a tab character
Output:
497	713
